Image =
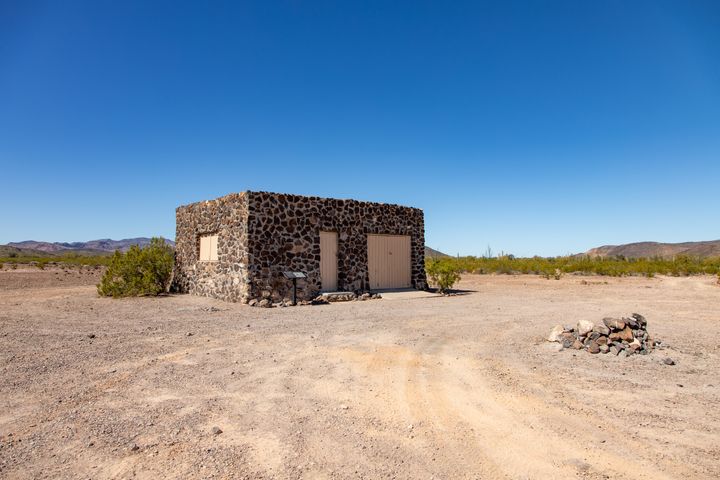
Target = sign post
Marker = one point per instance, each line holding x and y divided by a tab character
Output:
294	277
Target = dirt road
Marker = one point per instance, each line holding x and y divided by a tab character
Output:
410	386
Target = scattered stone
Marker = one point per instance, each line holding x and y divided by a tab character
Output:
577	345
593	347
134	447
189	334
216	431
668	361
92	335
265	303
253	302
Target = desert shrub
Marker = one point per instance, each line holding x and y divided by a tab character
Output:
139	271
443	272
612	266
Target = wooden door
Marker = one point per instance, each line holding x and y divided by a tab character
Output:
389	263
328	261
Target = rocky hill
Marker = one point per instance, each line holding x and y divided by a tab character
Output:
431	253
656	249
98	247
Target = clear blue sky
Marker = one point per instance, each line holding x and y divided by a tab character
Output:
535	127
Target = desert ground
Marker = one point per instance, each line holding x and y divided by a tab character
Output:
411	386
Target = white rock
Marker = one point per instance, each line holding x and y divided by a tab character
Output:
584	327
555	333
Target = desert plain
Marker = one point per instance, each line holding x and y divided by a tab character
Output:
412	386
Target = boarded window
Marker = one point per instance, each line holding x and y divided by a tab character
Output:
209	248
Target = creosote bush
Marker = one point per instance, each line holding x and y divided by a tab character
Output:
443	272
555	267
139	271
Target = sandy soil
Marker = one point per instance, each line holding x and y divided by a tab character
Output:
410	386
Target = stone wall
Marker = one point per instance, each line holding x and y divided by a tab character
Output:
262	234
226	279
284	232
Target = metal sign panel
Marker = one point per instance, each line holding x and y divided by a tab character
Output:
294	275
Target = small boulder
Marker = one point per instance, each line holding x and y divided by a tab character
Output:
640	319
613	323
626	334
601	329
567	340
584	327
577	345
593	347
631	322
556	333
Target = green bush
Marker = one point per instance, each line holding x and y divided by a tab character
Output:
443	272
555	267
139	271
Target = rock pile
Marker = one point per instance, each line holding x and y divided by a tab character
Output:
619	336
322	299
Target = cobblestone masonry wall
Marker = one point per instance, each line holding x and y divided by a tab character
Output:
274	232
226	279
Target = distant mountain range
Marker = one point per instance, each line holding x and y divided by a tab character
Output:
100	247
93	247
108	246
655	249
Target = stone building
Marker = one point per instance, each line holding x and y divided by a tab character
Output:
236	247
